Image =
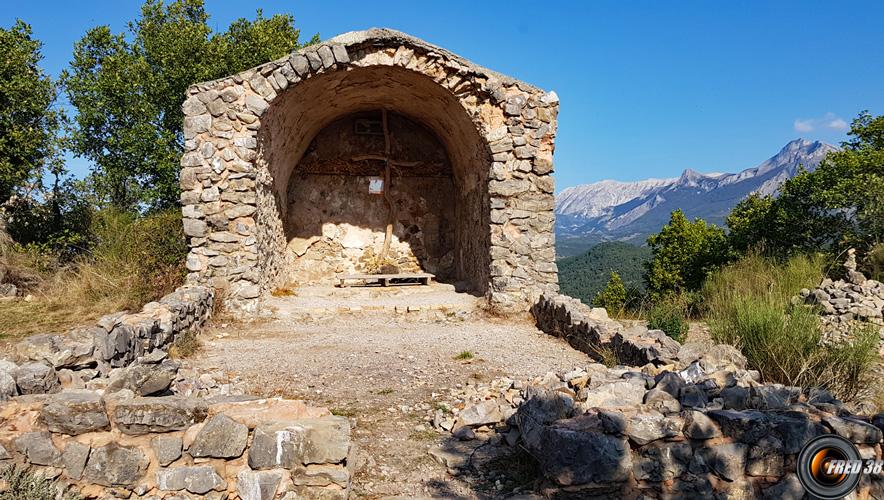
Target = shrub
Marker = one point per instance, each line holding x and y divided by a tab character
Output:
613	297
748	305
24	485
669	315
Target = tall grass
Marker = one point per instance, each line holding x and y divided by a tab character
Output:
749	305
133	260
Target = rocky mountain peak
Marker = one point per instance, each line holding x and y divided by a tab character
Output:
630	211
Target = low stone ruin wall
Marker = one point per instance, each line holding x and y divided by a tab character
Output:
662	437
114	444
589	330
701	427
47	363
107	413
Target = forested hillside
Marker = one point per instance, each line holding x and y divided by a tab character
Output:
585	275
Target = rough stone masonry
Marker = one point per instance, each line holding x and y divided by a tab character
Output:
246	170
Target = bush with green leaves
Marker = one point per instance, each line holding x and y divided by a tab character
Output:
613	297
669	315
749	305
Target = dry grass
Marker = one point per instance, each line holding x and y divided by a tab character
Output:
69	297
133	261
186	344
283	291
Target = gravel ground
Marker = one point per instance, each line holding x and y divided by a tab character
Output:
384	371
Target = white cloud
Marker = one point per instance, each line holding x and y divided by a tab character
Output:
828	120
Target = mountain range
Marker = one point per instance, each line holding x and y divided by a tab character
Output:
609	210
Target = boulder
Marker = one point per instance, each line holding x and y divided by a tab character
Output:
773	396
746	426
735	398
220	437
300	442
570	455
789	488
38	448
74	459
698	426
619	394
115	465
197	479
72	350
144	380
74	412
795	429
723	357
662	462
639	346
252	413
484	413
692	396
542	407
669	382
321	475
166	448
8	387
258	485
36	378
661	401
651	426
727	461
158	414
856	431
765	458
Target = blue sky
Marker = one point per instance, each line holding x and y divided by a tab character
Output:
647	88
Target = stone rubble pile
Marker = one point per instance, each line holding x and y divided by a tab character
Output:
702	426
848	304
100	443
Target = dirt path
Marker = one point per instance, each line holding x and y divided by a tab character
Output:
384	372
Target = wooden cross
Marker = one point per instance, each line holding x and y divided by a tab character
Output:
388	162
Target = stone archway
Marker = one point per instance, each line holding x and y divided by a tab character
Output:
247	135
335	223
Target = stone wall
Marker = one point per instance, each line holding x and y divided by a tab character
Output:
589	330
701	426
48	362
334	224
244	134
682	434
113	444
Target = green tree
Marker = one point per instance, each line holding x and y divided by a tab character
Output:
613	297
28	122
683	253
128	90
748	223
838	205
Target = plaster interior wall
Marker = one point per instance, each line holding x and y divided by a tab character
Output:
334	223
296	118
